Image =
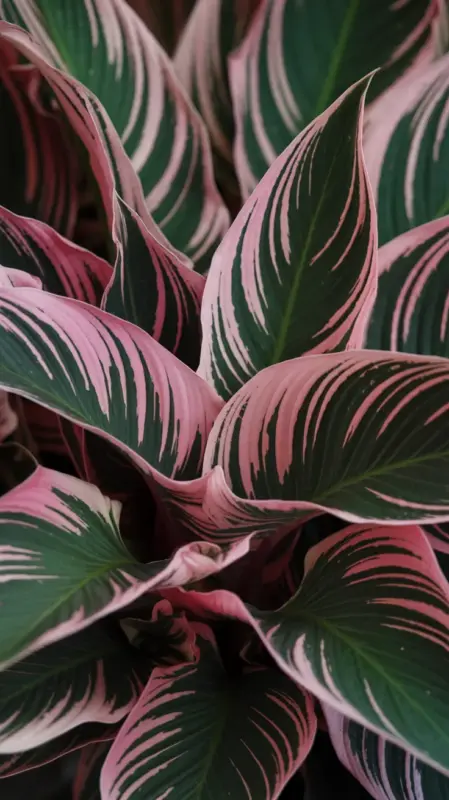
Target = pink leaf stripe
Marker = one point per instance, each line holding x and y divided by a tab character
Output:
386	771
39	171
359	434
45	596
8	417
91	677
306	239
183	732
369	596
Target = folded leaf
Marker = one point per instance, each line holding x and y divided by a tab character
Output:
297	270
407	150
275	90
153	289
385	771
359	434
37	161
94	676
62	266
63	564
411	312
366	633
198	733
134	81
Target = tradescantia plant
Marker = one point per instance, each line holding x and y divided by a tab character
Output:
224	408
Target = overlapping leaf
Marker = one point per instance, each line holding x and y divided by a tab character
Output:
367	633
359	434
94	676
63	564
386	771
197	728
153	289
296	272
39	174
277	91
407	151
109	49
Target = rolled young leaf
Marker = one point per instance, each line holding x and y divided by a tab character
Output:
362	435
407	150
297	270
63	564
275	90
386	771
108	48
93	676
366	633
197	733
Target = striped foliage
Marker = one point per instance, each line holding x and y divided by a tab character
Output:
63	564
366	633
199	733
359	434
106	46
62	267
39	172
300	56
407	150
386	771
152	288
164	635
94	676
296	272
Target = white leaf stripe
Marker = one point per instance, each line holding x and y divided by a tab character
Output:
305	239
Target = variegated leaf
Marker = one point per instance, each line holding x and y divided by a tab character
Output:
214	29
200	733
386	771
362	435
38	167
63	267
165	636
106	46
77	738
407	150
154	290
276	91
8	417
63	564
108	376
86	783
93	676
366	633
297	270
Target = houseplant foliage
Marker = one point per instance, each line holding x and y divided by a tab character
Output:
224	503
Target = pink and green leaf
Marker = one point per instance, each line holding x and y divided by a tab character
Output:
94	676
385	770
276	90
214	735
296	273
37	161
135	82
164	635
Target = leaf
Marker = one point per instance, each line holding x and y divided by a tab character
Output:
77	738
62	266
38	165
63	564
275	90
153	290
297	271
181	736
386	771
213	31
94	676
411	312
136	84
107	375
165	636
366	633
407	151
86	783
361	435
8	417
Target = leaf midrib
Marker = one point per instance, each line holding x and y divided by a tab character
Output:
339	52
